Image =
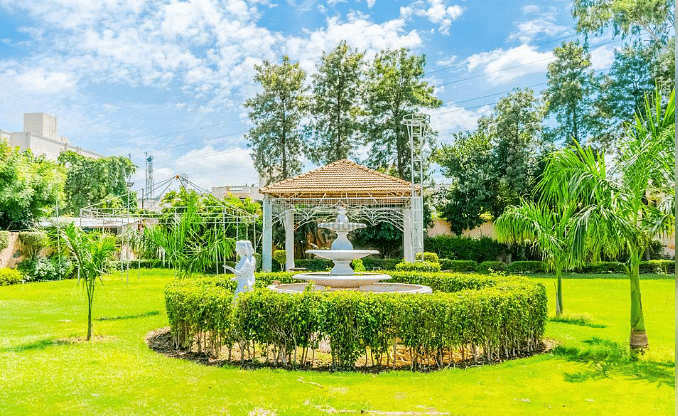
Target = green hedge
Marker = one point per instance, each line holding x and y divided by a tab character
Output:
602	267
527	267
658	266
4	239
380	264
458	265
10	277
491	266
430	257
419	266
504	315
465	248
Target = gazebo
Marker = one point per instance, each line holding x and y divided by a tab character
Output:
367	195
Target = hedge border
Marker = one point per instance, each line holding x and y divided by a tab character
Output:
505	316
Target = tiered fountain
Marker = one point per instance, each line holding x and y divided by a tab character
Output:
342	276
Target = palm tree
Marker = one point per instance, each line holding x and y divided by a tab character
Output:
546	228
620	208
90	253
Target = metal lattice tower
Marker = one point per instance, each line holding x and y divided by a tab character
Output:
417	128
149	176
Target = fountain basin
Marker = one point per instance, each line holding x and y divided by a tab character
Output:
342	281
293	288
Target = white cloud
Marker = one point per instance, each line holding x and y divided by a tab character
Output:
209	167
436	11
453	118
501	66
447	61
602	57
43	81
543	23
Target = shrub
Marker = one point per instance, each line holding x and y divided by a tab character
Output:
430	257
10	277
54	268
527	267
314	265
658	266
458	265
358	266
4	239
491	266
420	266
280	257
257	258
603	267
465	248
32	242
380	264
505	316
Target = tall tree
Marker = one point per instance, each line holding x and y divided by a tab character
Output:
635	18
622	92
469	163
276	138
621	209
515	129
569	95
29	187
100	181
336	105
395	87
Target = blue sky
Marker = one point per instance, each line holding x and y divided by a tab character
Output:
169	77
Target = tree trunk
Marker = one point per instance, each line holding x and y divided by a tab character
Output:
559	291
638	338
90	298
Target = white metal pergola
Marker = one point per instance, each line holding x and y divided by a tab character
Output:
367	195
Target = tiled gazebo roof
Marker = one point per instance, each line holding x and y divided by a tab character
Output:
340	179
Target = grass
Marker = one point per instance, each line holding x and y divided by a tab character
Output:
46	370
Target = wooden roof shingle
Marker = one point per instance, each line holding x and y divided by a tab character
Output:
340	179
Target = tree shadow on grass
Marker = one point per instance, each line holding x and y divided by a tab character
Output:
140	315
605	358
48	342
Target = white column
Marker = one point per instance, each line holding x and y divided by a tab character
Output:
289	239
267	243
407	235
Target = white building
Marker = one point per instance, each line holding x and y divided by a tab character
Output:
40	135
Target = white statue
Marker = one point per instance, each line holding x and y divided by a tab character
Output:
244	270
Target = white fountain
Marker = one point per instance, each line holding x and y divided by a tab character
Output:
342	276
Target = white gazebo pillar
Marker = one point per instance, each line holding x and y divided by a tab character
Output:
407	235
289	239
267	243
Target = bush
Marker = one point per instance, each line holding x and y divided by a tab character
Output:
32	242
505	316
603	267
420	266
429	257
491	266
314	265
280	256
380	264
527	267
458	265
358	266
4	239
465	248
10	277
658	266
257	258
54	268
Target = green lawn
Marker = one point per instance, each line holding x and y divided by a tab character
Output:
117	374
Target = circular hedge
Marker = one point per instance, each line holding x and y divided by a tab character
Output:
496	316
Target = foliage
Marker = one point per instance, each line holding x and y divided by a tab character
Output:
336	105
602	267
4	239
419	266
101	181
380	264
395	87
658	266
29	187
426	256
465	248
276	112
358	266
622	209
527	267
40	269
280	256
32	242
503	315
189	245
491	266
383	237
469	163
90	254
569	95
10	277
458	265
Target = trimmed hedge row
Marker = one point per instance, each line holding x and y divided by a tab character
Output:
10	277
503	315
